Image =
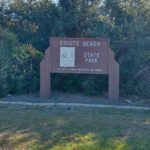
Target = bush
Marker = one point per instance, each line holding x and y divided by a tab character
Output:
19	66
88	84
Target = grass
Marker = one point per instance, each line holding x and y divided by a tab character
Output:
60	128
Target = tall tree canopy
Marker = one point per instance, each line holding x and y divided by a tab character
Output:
125	22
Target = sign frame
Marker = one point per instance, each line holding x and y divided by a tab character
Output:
81	56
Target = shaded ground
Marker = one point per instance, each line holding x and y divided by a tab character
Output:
61	128
78	98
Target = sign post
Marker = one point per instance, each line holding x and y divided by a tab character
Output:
82	56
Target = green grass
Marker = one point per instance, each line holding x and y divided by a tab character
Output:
59	128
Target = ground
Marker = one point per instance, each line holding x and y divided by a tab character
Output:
63	97
68	128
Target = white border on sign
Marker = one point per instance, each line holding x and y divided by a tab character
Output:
67	56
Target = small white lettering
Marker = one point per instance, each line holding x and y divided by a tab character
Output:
91	43
79	43
69	43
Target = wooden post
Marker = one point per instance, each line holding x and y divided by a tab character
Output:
116	80
113	73
45	83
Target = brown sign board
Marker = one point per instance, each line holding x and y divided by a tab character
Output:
82	56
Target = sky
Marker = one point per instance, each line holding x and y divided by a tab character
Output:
53	0
56	1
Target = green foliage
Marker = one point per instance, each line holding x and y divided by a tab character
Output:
18	66
125	22
89	84
130	38
32	21
7	45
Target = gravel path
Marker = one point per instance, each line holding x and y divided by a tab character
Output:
62	98
74	105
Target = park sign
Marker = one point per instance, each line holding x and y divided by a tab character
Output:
71	55
82	56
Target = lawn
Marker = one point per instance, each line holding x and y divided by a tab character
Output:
61	128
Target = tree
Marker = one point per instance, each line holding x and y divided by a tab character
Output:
18	65
32	21
131	18
125	22
78	16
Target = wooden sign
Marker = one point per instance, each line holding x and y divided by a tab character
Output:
82	56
